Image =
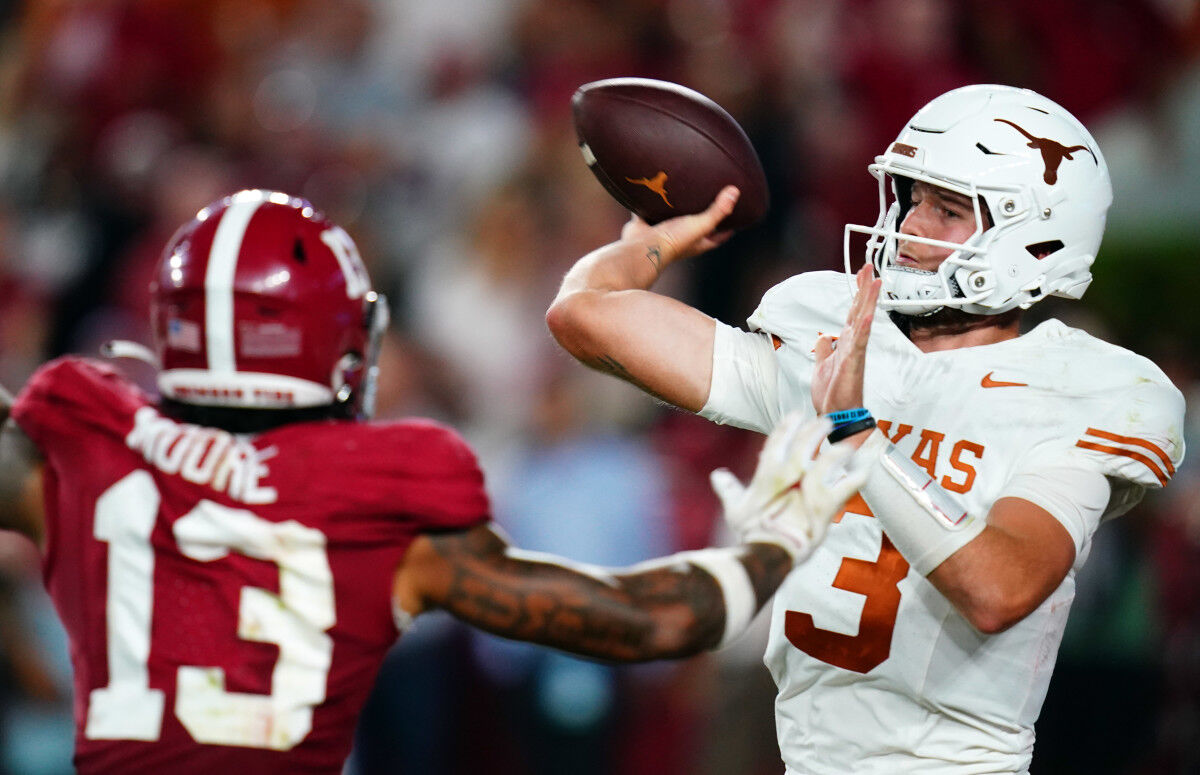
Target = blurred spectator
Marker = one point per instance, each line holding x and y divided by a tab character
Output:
476	301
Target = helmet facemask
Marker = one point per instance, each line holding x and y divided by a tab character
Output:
356	375
962	280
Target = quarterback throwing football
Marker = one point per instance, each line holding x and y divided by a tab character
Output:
921	635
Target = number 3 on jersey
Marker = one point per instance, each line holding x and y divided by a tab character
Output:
879	581
295	620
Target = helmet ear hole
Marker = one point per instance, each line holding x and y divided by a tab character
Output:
1040	250
988	220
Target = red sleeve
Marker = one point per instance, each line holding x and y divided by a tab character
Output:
415	475
71	394
441	477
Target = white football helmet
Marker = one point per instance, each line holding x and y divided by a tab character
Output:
1034	173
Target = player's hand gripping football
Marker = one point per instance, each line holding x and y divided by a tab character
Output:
841	359
686	235
794	492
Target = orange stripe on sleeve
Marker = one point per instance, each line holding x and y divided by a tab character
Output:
1138	456
1135	441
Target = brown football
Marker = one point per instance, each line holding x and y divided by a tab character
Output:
664	150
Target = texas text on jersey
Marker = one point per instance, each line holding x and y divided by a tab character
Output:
227	599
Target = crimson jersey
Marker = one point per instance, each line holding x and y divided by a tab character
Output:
227	598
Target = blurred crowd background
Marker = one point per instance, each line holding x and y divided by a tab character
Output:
438	133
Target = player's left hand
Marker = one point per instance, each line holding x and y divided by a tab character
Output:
794	492
841	359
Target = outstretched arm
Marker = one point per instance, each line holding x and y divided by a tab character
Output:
606	316
666	608
20	466
673	609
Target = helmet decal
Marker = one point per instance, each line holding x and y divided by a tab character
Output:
1053	152
346	253
218	282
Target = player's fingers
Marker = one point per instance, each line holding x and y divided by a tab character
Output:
716	240
862	331
802	444
870	290
858	325
858	467
857	304
726	200
827	462
726	486
688	235
862	326
824	347
790	518
830	483
778	445
847	486
717	210
810	438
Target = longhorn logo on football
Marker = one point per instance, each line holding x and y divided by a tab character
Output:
657	184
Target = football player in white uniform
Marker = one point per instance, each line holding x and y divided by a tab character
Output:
920	637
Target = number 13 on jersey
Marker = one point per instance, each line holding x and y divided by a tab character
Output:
295	620
878	580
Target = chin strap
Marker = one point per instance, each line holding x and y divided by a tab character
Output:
121	348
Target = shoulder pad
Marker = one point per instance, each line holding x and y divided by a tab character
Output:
76	390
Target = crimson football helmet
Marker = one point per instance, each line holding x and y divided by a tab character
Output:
1041	191
260	302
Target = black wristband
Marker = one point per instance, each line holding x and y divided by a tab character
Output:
849	429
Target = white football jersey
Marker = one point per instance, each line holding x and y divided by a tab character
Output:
877	671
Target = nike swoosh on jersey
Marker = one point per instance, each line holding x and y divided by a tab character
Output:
988	382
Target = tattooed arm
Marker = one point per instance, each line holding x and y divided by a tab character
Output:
670	607
663	609
606	316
